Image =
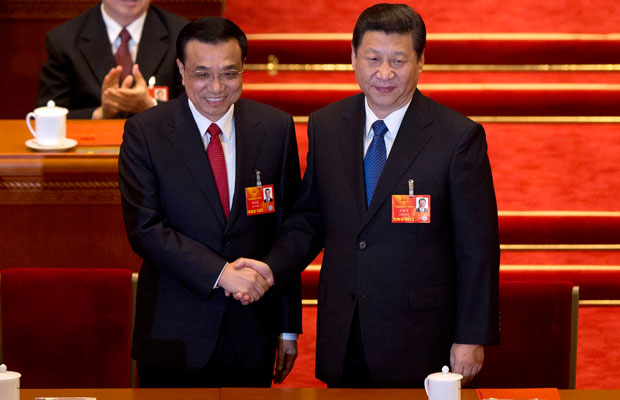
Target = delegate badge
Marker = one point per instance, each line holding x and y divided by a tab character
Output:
408	209
259	200
159	93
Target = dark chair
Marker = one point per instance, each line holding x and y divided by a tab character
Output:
67	327
538	329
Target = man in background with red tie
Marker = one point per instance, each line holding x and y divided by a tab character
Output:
191	175
103	63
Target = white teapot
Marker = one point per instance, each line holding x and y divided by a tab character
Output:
9	384
444	385
51	124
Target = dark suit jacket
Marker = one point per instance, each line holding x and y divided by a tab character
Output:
418	287
175	222
80	56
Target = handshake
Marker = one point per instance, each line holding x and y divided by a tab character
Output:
246	279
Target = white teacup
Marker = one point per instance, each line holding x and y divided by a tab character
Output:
443	385
9	384
51	124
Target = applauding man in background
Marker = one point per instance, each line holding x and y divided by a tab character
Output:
106	62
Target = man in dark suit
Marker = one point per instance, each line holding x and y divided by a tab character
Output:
185	214
396	301
81	72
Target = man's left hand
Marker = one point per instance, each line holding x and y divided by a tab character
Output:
287	353
466	359
129	99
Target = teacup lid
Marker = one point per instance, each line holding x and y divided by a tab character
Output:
8	375
51	110
445	375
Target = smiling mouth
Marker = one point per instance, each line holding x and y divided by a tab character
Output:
384	89
213	100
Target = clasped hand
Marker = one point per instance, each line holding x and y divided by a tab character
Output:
247	280
125	96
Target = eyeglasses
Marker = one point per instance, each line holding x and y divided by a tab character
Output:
225	76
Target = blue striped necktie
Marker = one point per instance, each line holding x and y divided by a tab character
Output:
375	159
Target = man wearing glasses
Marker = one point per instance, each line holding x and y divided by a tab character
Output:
187	173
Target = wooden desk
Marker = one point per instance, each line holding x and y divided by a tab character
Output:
125	394
281	394
62	209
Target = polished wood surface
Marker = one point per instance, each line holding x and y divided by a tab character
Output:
279	394
62	209
124	394
332	394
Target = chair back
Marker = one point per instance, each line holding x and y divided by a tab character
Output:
538	331
67	327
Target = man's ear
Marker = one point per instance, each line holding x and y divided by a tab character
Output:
181	69
421	63
353	57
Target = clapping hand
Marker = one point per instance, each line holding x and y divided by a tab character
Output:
125	96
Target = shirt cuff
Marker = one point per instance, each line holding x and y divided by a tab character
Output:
288	336
217	281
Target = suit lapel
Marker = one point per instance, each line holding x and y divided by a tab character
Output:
95	46
249	136
184	136
351	135
410	140
153	47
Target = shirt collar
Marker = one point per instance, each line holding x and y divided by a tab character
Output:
114	28
225	123
392	121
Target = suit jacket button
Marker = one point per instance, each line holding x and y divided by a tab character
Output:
227	243
362	245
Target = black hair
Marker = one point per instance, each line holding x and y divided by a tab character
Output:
211	30
391	18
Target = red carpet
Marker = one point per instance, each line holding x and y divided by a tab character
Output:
597	361
570	16
548	166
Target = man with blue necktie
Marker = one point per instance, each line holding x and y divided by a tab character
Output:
400	294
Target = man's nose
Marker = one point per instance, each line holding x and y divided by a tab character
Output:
216	84
385	71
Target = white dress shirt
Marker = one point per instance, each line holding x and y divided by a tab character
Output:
114	30
227	138
392	122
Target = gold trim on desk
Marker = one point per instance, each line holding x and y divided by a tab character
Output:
43	191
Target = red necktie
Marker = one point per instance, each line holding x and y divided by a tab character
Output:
218	166
123	56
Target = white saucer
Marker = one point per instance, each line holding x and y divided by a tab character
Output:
63	145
